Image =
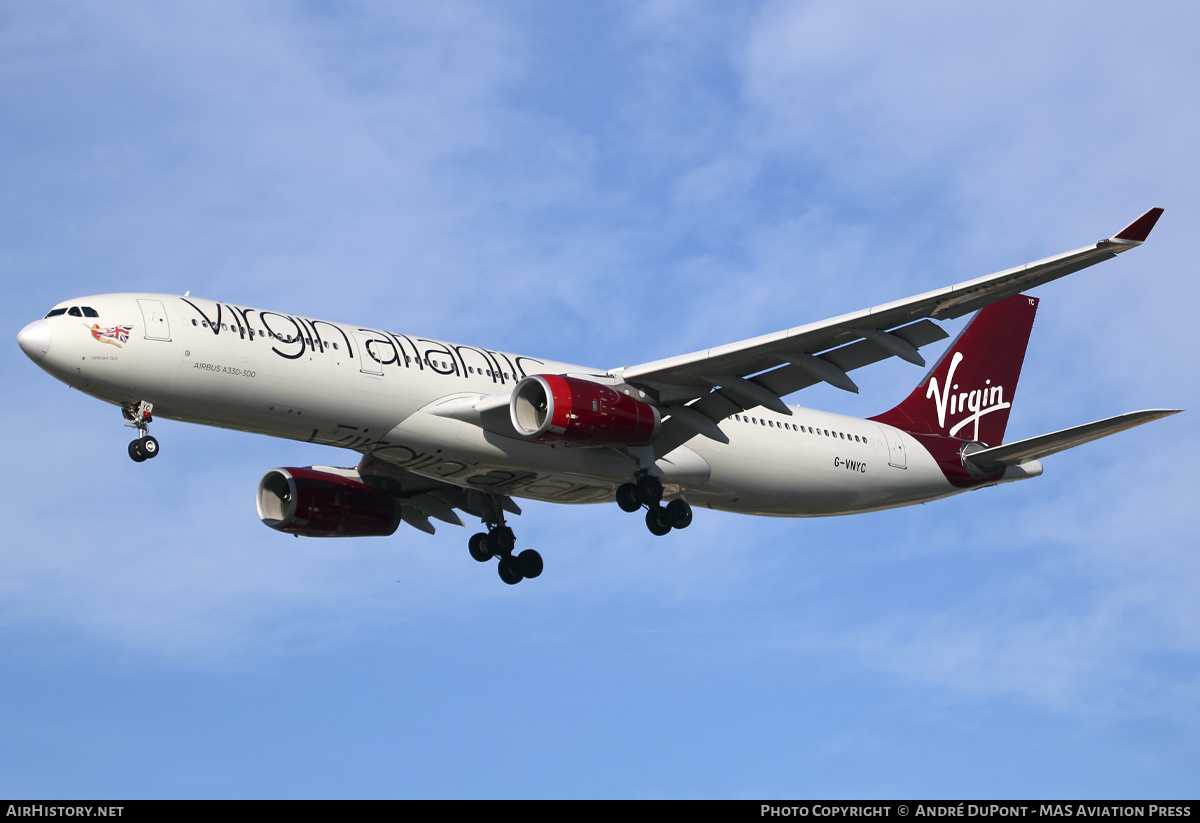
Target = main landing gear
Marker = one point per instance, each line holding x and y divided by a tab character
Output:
138	415
499	541
647	491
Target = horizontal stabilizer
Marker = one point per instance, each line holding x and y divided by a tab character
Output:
1035	448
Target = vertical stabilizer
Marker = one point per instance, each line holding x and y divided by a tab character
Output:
969	392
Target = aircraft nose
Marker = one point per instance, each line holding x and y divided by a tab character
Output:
35	340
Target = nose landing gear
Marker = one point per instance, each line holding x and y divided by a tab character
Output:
647	491
143	448
139	417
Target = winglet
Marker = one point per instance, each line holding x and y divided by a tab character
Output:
1139	230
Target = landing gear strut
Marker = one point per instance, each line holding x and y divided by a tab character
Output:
647	491
499	541
139	417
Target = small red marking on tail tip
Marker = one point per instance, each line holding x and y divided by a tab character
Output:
1139	229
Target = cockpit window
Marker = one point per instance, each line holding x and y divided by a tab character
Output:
88	311
56	312
75	312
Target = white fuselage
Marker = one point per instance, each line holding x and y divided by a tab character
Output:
373	392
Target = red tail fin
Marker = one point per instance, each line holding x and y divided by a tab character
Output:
968	394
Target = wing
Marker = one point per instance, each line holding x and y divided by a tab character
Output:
422	497
700	389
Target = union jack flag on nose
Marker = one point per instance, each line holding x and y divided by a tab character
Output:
115	335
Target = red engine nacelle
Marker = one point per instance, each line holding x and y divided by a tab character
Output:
553	408
317	503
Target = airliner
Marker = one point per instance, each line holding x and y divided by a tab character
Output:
443	428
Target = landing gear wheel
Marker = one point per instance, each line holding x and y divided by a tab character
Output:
649	490
656	521
529	562
678	514
509	572
478	547
139	417
627	497
503	539
149	447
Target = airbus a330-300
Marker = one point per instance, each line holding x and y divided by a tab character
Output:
443	428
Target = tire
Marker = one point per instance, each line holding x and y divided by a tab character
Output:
656	521
135	451
529	562
627	497
149	447
503	539
509	572
478	547
649	490
679	514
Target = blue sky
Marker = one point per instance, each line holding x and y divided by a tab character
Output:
605	185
